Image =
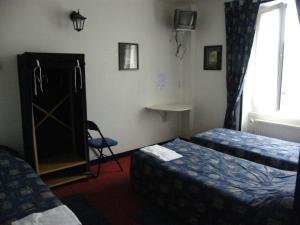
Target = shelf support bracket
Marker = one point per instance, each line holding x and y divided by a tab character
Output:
163	115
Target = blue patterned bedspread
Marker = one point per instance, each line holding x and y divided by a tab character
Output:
209	187
22	192
269	151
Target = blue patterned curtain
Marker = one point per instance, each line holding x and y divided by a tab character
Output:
240	18
297	191
298	8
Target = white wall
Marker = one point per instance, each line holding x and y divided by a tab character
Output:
206	88
115	99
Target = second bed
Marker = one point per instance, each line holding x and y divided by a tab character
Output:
264	150
209	187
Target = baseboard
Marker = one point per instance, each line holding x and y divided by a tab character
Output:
127	153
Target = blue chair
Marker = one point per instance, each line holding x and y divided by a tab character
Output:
99	144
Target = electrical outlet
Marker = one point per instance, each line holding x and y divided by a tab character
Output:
161	81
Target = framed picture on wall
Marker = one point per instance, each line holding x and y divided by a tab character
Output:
128	56
213	57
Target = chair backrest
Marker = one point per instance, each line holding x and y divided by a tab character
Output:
93	126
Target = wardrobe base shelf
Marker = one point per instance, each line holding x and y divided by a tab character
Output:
59	180
60	162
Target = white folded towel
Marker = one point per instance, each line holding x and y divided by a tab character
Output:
161	152
58	215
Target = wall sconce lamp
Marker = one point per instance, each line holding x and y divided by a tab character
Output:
78	20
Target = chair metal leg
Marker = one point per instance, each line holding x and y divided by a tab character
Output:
99	166
114	157
100	159
99	155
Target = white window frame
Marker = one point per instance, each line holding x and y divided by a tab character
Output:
264	8
250	110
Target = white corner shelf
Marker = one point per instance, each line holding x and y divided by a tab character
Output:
173	107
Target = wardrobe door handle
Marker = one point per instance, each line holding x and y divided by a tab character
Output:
80	79
38	77
75	79
77	67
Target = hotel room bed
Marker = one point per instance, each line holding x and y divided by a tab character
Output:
209	187
264	150
22	192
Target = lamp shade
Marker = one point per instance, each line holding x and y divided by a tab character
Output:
78	20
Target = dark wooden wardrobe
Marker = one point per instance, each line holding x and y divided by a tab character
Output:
53	103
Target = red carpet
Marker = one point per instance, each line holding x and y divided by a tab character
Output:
110	193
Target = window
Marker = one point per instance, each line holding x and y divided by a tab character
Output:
290	89
272	84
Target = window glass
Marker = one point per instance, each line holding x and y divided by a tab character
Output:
266	61
290	91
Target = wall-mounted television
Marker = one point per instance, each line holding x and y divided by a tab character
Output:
185	20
